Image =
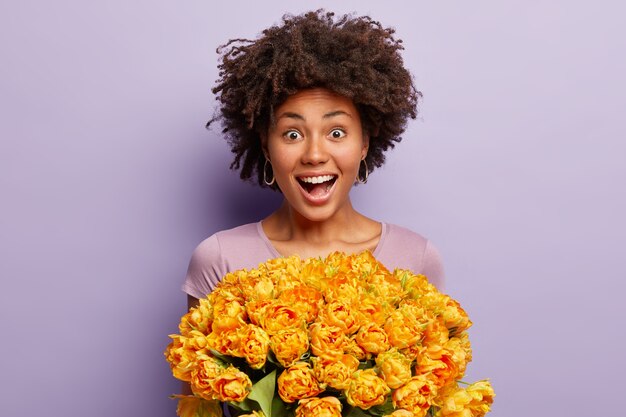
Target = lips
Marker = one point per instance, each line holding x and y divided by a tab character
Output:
317	188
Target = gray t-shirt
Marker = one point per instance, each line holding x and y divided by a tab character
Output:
247	246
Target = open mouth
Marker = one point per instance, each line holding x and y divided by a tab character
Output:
317	186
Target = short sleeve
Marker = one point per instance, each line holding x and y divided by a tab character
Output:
433	266
205	270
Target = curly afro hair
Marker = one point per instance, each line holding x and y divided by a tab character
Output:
353	56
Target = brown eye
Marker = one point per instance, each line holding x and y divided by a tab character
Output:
337	133
293	135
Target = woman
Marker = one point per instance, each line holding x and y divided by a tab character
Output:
309	108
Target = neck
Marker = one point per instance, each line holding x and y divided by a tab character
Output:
294	226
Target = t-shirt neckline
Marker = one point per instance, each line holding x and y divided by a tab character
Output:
276	254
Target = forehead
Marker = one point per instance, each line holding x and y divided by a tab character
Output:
316	102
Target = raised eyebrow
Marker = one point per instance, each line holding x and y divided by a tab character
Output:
291	115
336	113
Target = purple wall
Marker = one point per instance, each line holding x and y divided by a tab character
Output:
109	180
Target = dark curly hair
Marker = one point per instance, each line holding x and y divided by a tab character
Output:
353	56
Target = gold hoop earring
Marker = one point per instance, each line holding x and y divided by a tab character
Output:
367	173
268	183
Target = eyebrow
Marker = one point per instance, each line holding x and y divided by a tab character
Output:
292	115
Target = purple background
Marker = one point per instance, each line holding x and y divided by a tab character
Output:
108	179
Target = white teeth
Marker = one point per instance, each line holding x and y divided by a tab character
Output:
317	180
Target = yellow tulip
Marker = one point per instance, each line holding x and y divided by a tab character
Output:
319	407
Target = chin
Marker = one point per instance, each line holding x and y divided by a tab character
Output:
313	216
317	214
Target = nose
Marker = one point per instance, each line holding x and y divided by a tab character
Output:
315	151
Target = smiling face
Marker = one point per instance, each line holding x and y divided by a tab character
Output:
315	147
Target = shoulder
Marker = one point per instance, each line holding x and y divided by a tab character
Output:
405	249
213	244
235	237
405	246
223	252
401	234
223	246
215	256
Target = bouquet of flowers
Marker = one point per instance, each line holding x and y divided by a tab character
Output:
340	336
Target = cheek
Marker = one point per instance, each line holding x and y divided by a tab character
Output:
282	165
350	159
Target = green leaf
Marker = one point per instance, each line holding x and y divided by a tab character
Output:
245	405
224	358
279	408
271	358
367	364
383	409
263	393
